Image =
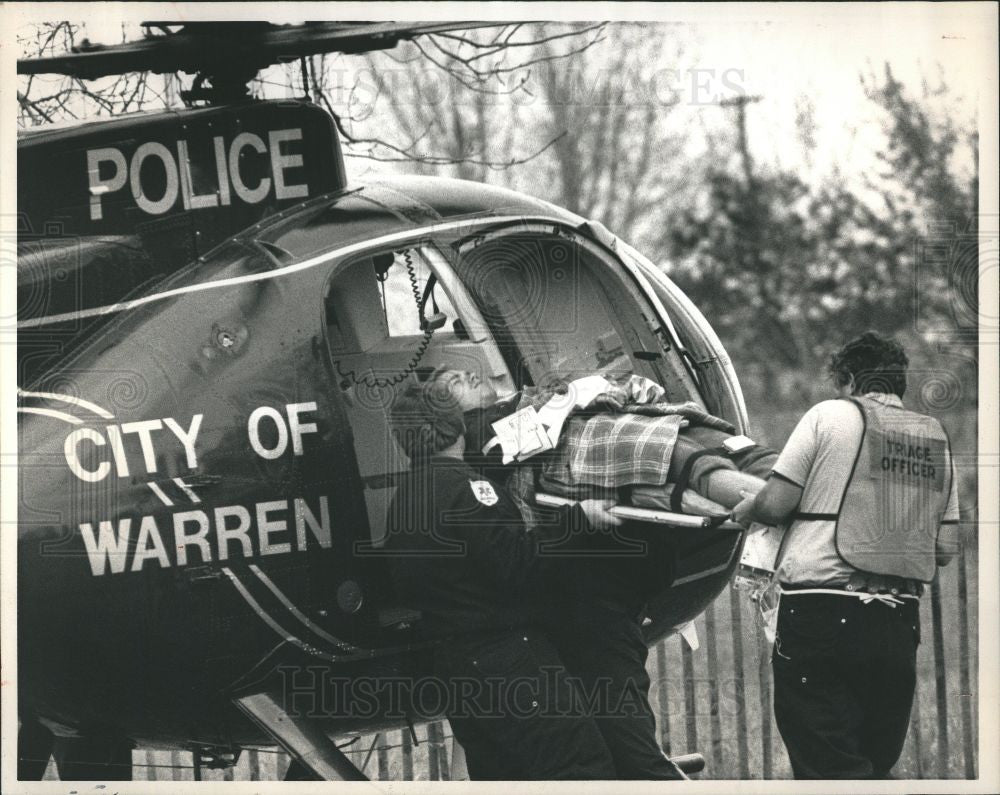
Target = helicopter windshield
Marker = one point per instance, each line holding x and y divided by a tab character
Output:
560	309
548	309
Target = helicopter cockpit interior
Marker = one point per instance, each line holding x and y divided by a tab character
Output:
516	307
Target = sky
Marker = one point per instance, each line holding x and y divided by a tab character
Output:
822	57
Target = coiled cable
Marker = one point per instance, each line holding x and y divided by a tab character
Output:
373	381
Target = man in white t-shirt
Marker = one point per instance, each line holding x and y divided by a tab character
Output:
868	489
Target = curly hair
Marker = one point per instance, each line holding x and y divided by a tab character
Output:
425	419
876	363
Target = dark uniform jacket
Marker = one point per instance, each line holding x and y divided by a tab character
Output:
479	430
624	566
458	551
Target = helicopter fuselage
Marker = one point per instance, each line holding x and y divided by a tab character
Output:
197	504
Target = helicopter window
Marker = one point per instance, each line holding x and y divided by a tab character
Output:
410	298
699	347
560	310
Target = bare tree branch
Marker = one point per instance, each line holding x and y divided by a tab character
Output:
509	44
496	70
433	134
32	107
436	160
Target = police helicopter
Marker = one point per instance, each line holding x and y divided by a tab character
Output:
212	323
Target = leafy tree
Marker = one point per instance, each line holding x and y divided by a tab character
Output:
786	271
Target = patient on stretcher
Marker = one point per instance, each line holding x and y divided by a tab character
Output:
624	441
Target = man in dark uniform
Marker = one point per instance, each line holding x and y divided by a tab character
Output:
594	618
867	486
458	552
590	601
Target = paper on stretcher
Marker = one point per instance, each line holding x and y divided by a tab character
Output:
521	435
528	432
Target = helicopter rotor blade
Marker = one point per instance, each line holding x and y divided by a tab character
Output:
208	46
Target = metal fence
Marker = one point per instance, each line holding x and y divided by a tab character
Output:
715	699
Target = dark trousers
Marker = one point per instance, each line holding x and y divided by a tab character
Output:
513	711
844	678
605	654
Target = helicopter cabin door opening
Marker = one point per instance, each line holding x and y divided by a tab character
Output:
517	307
378	342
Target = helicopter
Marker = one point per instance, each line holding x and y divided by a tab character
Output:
212	324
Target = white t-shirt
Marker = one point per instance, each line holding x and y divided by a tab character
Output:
819	457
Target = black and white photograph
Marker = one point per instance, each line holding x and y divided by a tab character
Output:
506	392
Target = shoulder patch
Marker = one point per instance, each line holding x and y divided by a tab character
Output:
484	492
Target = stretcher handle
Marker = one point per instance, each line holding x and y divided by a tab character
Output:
641	514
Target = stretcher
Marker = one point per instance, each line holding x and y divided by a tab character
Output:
647	514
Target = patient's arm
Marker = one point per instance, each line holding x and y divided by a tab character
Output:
716	475
773	505
724	486
717	492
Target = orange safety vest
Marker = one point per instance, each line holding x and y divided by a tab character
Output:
893	503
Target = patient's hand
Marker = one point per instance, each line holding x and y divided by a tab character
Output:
597	513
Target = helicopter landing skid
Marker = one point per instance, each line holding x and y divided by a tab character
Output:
301	737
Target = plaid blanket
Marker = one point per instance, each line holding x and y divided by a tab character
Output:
612	450
626	444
